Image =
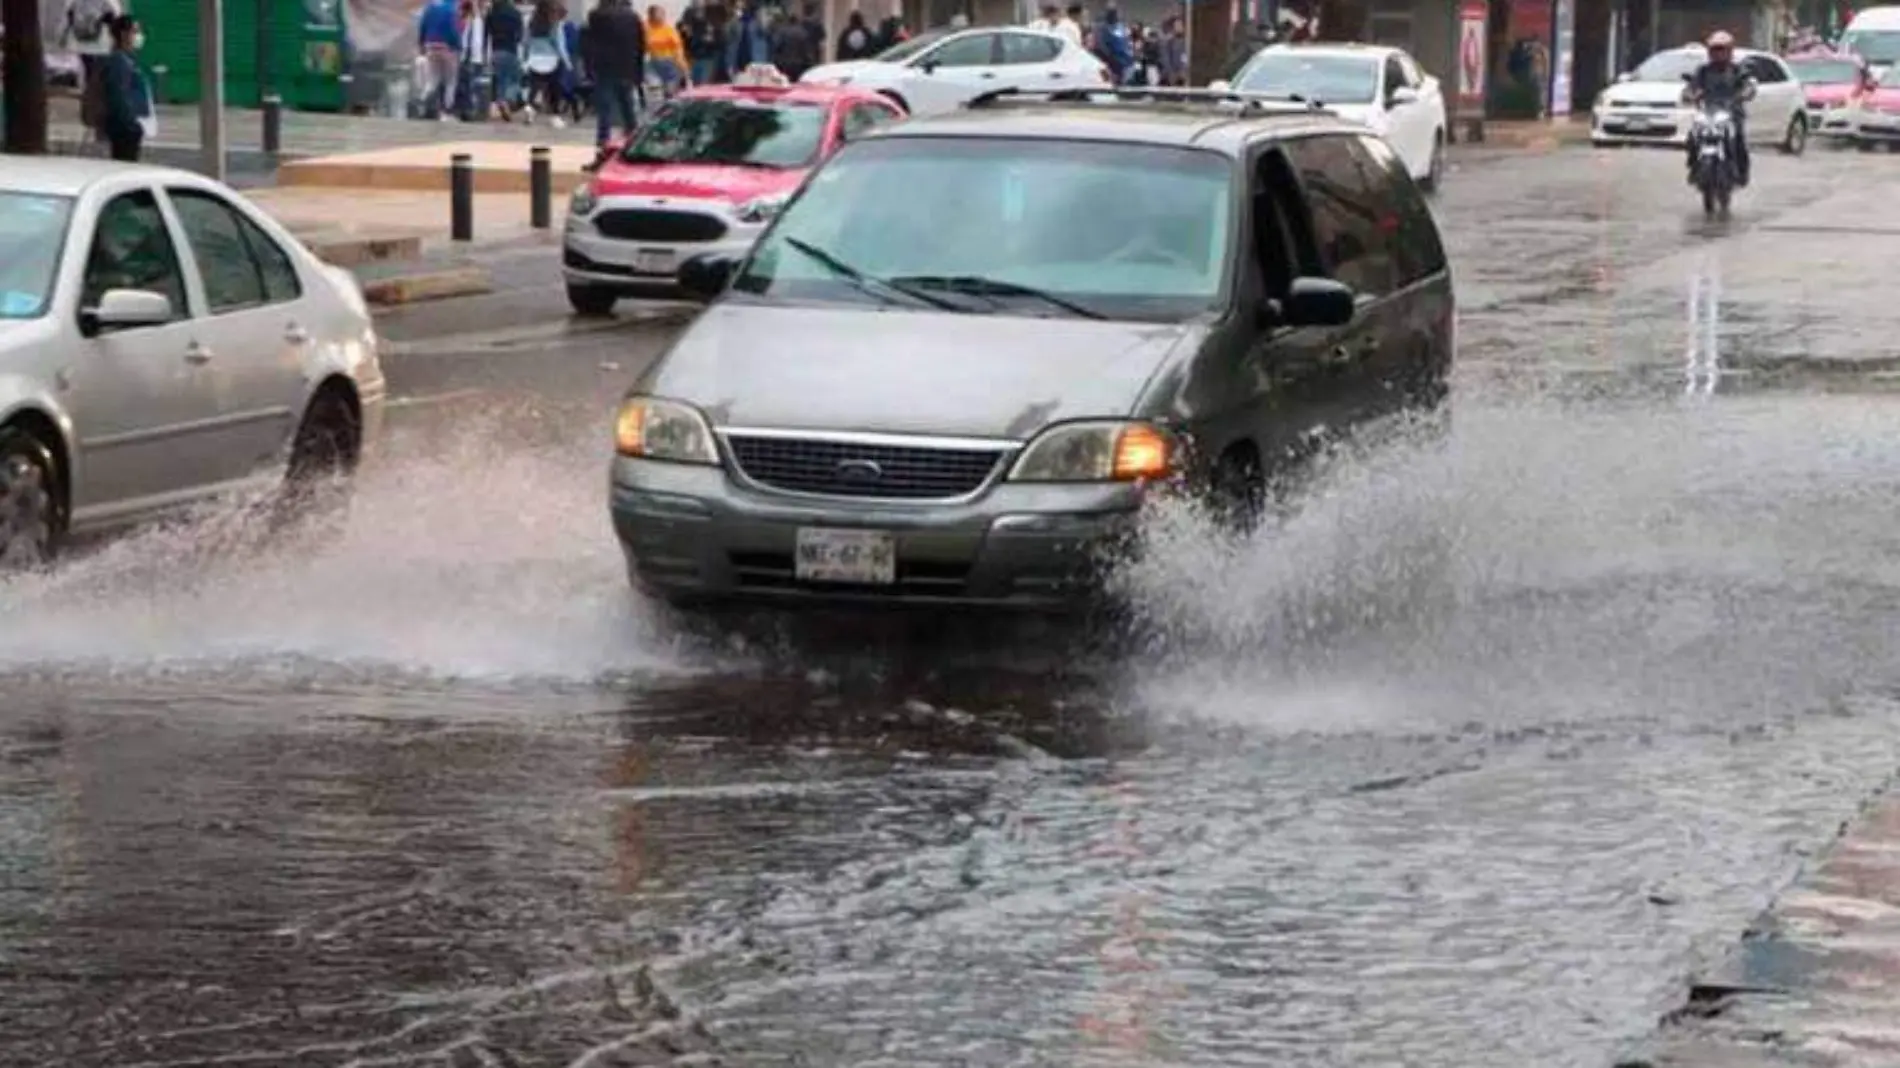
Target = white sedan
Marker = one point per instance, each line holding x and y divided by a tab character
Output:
1381	87
1645	106
163	342
938	72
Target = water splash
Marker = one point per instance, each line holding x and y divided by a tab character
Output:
472	557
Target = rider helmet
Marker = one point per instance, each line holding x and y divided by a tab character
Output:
1721	45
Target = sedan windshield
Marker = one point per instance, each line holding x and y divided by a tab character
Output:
730	132
1874	46
1669	66
898	53
1826	71
32	230
1327	79
1063	228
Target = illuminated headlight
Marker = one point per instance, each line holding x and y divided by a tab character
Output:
1103	451
583	202
761	209
652	428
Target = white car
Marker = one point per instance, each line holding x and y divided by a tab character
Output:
1645	105
163	342
1384	88
938	72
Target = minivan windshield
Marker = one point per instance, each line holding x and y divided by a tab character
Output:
1015	227
1874	46
1327	79
33	231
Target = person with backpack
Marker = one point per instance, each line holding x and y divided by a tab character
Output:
857	41
87	31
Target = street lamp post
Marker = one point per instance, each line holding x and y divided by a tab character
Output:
24	88
211	87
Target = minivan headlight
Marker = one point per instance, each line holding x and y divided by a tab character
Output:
583	202
1096	451
653	428
761	209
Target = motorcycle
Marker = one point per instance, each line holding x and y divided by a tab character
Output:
1712	143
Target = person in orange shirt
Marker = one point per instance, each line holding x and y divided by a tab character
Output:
666	52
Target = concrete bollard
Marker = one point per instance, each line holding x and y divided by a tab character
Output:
540	188
273	125
461	197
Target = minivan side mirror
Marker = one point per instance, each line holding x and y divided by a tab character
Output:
1318	302
120	309
705	276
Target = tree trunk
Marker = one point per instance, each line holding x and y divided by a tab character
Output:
24	87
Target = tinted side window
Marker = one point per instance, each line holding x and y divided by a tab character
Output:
1028	48
1394	75
231	278
280	275
132	249
1345	204
1419	251
976	50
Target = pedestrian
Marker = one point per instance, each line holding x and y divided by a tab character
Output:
548	59
1113	47
1069	27
1173	53
472	81
666	52
857	41
1046	21
705	42
891	32
125	99
746	40
439	39
87	31
616	56
507	36
792	49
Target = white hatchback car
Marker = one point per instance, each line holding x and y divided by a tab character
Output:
1645	105
1381	87
163	342
938	72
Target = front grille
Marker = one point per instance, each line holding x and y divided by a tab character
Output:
652	224
844	469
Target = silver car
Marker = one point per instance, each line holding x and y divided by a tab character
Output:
163	342
969	349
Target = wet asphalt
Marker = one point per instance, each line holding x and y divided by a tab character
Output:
1470	761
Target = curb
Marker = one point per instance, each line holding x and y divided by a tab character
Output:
427	285
344	251
409	178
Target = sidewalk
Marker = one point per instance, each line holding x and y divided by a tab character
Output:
1531	134
1816	980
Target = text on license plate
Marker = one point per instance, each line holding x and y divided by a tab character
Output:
862	556
653	261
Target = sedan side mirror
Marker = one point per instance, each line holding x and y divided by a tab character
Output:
1318	302
928	66
1220	85
122	309
1626	76
706	275
1404	94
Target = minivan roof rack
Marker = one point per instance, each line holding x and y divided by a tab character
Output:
1291	104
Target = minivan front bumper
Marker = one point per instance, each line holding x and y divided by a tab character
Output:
693	533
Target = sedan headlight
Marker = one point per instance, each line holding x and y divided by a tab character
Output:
653	428
583	202
1096	451
761	209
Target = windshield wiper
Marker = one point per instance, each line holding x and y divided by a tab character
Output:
978	286
865	282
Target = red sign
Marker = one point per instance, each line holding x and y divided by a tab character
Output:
1473	19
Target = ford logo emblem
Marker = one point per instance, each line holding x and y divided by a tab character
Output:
859	471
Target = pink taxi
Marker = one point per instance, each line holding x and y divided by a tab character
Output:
1877	114
705	174
1833	83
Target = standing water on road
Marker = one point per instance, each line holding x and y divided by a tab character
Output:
1466	761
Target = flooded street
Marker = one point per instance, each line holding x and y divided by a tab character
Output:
1469	762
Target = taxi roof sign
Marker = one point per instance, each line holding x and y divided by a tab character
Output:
762	76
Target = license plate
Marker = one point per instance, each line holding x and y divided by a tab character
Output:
653	261
1637	124
868	557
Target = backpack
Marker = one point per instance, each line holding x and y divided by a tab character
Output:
89	19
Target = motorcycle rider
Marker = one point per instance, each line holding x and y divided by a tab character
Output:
1723	83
